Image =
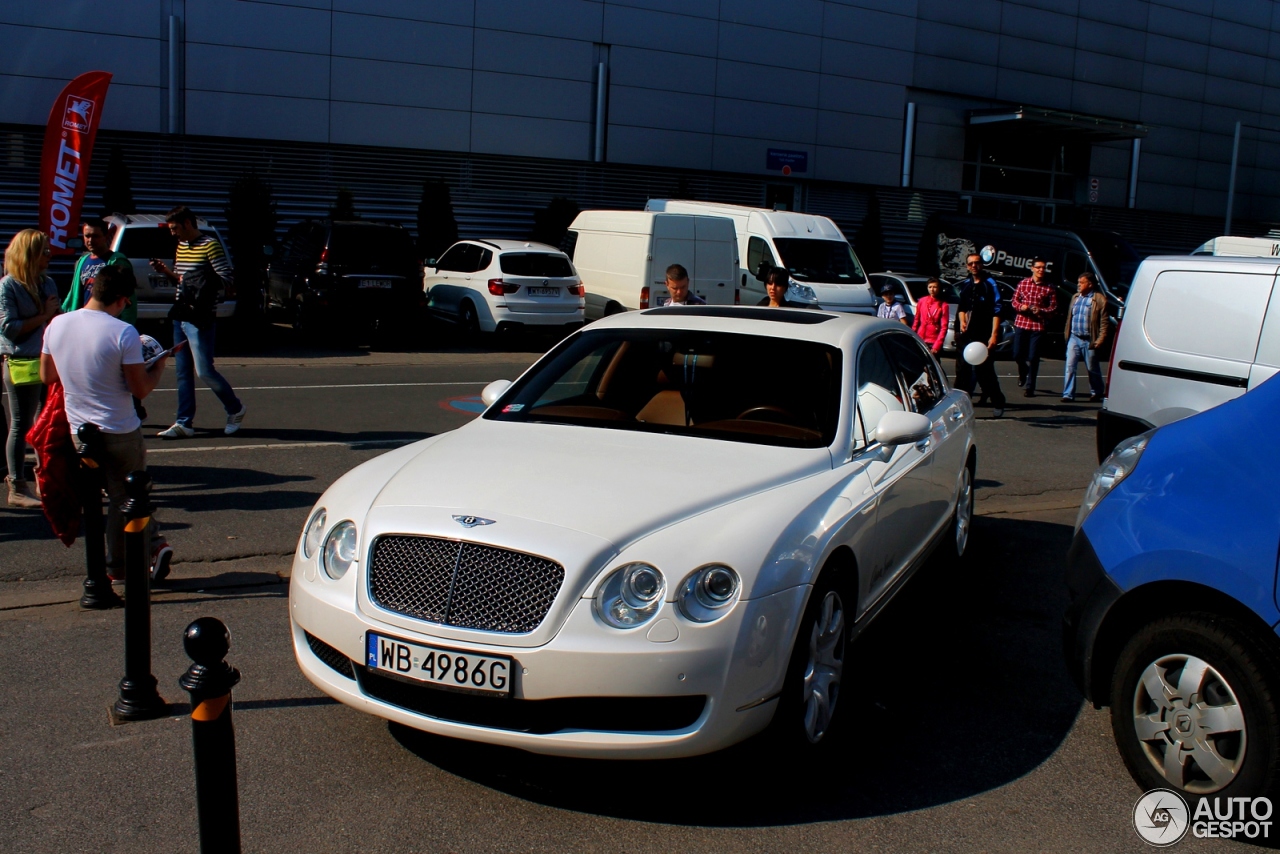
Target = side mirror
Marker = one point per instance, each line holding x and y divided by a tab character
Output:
762	272
495	389
431	262
902	428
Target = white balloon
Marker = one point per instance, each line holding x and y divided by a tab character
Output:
975	352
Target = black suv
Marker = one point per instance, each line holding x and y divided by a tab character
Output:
360	274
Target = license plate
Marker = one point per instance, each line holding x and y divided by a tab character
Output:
443	668
160	283
544	292
375	283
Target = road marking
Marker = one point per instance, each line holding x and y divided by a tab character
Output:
344	385
287	446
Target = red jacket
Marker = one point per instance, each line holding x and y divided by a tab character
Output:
933	316
56	453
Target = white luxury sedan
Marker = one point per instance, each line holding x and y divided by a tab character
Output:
657	542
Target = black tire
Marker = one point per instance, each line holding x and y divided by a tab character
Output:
613	308
468	322
1241	673
790	728
958	541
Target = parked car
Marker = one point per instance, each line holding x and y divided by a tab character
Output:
1198	331
625	254
504	285
824	270
1172	576
141	237
345	276
659	539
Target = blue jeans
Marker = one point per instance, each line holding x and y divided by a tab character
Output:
1078	349
196	359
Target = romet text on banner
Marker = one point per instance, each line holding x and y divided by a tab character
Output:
64	162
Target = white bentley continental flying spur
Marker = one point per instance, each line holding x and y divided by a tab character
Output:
659	541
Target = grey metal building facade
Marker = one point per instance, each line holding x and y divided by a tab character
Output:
740	87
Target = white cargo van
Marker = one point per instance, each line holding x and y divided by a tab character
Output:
1196	332
824	271
622	257
1249	247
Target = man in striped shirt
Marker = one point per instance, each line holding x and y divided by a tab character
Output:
200	271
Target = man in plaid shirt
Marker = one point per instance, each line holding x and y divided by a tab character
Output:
1034	302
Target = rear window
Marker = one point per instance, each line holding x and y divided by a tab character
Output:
150	241
543	265
362	244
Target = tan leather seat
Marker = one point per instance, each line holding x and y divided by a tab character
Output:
665	407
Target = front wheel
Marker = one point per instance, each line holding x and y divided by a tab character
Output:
962	516
1193	708
810	701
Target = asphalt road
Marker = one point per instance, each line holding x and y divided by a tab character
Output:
963	730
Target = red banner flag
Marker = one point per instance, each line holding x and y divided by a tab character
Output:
64	165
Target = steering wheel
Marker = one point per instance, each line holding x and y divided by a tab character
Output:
779	414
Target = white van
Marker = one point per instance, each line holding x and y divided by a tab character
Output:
1196	332
1248	247
824	271
622	257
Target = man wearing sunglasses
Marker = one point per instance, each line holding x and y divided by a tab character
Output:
978	316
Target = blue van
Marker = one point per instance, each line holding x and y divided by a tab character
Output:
1173	616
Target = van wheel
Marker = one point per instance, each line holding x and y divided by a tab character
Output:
810	701
1193	708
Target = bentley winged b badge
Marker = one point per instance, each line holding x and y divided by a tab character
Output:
471	521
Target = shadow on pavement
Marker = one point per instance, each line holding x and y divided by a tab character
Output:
958	688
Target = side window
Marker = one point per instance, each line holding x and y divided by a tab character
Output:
483	261
457	259
758	253
878	389
917	370
1072	266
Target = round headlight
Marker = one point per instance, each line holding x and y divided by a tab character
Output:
312	533
339	550
631	595
707	594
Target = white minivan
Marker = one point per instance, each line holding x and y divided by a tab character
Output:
824	271
1249	247
1196	332
623	257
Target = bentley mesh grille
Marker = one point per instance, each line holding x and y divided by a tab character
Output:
463	584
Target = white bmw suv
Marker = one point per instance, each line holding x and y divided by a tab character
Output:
491	285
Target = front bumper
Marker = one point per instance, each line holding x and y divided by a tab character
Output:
735	662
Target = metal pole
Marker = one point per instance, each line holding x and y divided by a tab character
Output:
1133	173
139	700
908	144
602	75
175	62
98	595
1231	185
209	681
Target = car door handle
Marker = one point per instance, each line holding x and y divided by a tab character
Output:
955	415
923	444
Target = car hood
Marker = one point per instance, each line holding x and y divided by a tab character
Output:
612	484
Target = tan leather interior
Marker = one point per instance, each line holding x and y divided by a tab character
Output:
665	407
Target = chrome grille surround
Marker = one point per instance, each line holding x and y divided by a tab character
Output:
462	584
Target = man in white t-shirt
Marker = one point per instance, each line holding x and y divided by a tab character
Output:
98	359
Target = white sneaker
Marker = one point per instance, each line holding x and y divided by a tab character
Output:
177	431
233	421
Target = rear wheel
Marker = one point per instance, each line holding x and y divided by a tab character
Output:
468	321
962	516
810	701
1193	708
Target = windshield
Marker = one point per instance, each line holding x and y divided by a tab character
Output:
920	289
368	245
823	261
738	388
1117	260
143	242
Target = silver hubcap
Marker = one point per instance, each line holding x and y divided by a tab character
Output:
964	511
1189	723
826	664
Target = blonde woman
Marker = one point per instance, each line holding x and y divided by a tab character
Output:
28	301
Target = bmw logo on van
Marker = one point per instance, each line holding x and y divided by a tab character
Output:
988	254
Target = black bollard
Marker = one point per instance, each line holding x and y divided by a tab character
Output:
98	595
209	681
139	700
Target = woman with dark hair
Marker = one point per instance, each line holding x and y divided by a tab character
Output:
776	283
28	301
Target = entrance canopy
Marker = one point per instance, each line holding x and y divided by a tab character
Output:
1065	126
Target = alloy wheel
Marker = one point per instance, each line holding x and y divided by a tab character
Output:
825	667
964	511
1189	723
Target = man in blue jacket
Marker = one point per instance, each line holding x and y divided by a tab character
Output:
978	316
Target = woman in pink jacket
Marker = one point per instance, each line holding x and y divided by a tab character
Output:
932	317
